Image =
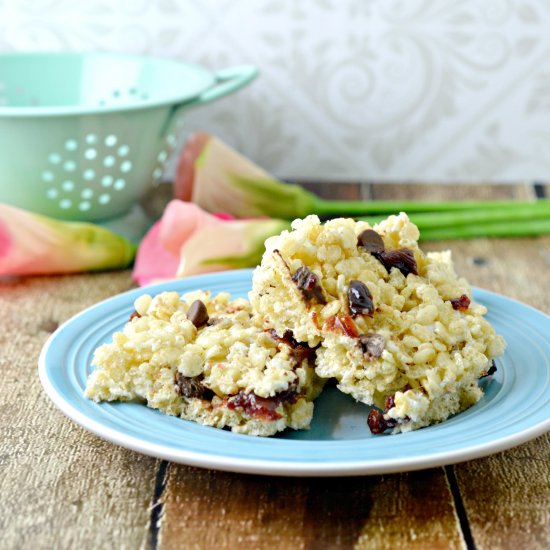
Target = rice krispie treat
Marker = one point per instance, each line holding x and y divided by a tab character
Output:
396	327
206	359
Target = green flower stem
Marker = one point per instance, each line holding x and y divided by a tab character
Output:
332	208
526	228
517	220
512	213
509	219
516	211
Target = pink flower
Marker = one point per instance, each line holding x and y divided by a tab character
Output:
188	241
31	244
216	177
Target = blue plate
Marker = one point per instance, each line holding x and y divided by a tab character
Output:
515	408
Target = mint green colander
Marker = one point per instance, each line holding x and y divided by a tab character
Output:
85	136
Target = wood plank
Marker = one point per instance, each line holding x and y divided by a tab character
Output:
61	486
334	190
453	192
507	497
205	509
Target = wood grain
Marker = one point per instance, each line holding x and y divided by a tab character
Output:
453	192
507	497
60	486
205	509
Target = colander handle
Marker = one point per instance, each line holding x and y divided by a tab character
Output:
227	81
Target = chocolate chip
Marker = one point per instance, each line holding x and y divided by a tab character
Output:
371	241
192	387
360	299
372	344
308	283
461	303
491	370
403	259
197	314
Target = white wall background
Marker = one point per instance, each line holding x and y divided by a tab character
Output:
446	90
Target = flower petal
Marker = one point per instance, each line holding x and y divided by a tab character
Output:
185	173
153	261
158	255
33	244
180	220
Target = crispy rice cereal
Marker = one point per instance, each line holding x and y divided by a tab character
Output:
229	373
395	328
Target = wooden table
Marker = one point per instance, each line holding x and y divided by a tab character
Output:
62	487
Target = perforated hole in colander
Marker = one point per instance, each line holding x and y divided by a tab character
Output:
111	140
163	155
109	161
88	174
47	176
94	166
125	166
90	153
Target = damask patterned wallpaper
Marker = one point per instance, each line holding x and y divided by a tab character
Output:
446	90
